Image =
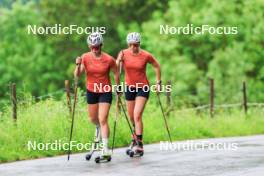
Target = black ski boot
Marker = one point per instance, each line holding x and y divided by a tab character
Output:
137	150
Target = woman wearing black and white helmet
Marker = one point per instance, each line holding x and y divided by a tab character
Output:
134	61
97	66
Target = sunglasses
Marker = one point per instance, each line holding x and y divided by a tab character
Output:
135	44
96	47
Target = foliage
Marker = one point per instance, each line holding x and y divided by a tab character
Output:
189	60
41	63
48	121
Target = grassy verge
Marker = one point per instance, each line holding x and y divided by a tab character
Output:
48	121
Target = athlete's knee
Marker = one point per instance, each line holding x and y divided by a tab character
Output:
93	119
137	117
131	117
103	121
131	114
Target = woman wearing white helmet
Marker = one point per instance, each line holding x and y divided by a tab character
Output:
97	66
134	61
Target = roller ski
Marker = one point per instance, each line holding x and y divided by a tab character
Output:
95	144
137	150
132	145
104	157
95	148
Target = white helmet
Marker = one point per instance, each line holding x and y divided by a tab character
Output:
94	39
133	37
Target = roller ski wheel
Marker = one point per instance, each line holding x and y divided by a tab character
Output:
131	153
106	158
136	153
88	157
131	146
128	151
139	152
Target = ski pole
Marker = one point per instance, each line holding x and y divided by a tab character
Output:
115	122
76	79
164	117
123	109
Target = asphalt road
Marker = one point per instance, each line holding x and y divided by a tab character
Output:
245	159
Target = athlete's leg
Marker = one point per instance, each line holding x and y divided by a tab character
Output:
93	113
138	111
92	100
103	120
103	117
93	116
92	107
130	103
130	109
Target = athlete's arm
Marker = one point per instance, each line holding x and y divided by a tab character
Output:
157	70
78	72
114	69
119	61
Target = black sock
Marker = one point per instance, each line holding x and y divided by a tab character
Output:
139	140
139	137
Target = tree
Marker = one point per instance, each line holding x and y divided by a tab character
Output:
25	59
229	59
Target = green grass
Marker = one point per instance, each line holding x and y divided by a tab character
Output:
49	120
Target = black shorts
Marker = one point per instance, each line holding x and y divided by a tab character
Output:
93	98
132	93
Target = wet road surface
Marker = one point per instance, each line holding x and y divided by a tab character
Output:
245	158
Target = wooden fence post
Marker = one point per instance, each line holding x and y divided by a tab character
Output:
14	101
211	97
68	94
245	97
168	94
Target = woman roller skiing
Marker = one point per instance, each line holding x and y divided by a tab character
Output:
97	66
134	61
